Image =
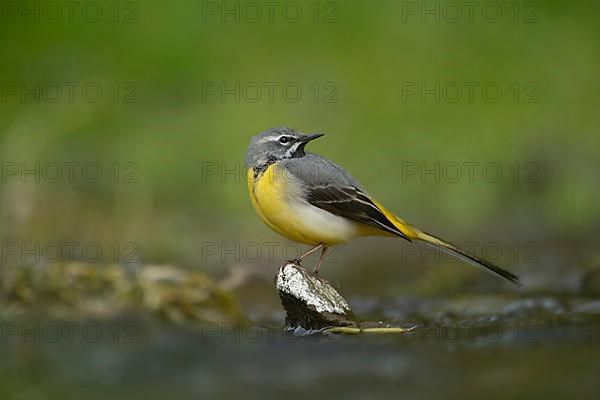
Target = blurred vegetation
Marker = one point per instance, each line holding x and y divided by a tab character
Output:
176	133
80	291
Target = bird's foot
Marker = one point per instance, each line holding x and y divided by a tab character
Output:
298	262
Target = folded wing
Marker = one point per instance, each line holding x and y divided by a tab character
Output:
350	202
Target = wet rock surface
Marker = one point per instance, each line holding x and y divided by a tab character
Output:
310	301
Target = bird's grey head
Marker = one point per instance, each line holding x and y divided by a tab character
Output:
277	144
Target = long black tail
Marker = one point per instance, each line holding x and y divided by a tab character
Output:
410	232
463	255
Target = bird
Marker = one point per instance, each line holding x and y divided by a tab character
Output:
311	200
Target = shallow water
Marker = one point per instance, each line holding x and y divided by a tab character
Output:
468	347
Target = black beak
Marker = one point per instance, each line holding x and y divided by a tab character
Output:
313	136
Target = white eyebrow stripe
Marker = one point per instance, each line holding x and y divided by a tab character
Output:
274	138
270	138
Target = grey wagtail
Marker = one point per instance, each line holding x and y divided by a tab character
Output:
311	200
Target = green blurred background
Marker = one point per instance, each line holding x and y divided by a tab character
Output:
180	134
183	132
177	129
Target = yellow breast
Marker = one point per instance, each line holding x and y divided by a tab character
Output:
277	198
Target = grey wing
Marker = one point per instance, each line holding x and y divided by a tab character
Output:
312	169
333	189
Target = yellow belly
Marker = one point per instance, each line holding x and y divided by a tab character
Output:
277	199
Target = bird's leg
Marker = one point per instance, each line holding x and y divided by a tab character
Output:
321	258
308	253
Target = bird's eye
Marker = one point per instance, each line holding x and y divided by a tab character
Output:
284	139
